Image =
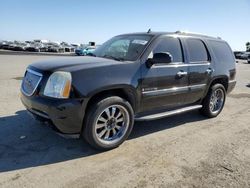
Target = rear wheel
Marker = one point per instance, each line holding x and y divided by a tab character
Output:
108	123
214	101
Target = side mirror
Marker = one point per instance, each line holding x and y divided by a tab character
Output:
160	58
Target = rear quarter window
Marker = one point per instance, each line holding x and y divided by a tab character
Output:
222	52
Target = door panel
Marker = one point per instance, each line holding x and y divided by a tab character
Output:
163	88
165	85
199	68
199	76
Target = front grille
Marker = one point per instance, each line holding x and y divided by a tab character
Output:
30	82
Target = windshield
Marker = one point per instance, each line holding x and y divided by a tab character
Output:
123	48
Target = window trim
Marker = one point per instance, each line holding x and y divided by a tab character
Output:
181	47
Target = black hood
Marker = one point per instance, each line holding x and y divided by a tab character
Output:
72	63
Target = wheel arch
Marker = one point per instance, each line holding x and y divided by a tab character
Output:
218	80
126	92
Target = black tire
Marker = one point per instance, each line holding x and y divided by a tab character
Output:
93	115
206	110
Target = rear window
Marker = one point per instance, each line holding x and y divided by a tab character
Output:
222	52
196	50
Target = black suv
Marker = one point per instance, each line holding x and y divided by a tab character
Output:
139	76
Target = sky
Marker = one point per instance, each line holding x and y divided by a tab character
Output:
81	21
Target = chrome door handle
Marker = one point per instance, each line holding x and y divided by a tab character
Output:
181	73
209	71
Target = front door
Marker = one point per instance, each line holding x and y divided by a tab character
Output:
164	86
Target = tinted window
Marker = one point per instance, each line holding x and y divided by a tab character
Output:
196	50
170	45
222	51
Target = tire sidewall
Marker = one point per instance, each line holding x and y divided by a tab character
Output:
213	88
93	114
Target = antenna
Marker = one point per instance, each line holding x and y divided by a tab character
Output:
149	30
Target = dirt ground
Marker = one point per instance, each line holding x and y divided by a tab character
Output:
187	150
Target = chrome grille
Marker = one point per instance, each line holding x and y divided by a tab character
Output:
30	82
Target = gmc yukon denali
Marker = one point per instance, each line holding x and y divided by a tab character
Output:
131	77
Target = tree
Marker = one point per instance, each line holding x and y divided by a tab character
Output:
248	46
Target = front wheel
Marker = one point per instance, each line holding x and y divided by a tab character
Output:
214	102
108	123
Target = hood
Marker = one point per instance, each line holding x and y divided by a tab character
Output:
72	63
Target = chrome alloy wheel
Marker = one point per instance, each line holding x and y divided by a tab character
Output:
217	100
112	124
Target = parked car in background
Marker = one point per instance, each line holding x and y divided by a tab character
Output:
238	54
16	45
76	45
12	45
248	57
244	55
1	44
4	44
67	47
138	76
42	41
7	45
20	46
85	51
55	47
36	47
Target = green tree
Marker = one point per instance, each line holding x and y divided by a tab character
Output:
248	46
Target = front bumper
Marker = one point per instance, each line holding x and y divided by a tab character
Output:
67	114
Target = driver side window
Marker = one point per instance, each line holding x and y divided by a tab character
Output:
169	45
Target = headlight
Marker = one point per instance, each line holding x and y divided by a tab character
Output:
58	85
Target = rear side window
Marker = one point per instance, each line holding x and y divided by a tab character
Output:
196	50
222	52
169	45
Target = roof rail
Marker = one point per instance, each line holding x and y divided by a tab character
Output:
187	32
194	34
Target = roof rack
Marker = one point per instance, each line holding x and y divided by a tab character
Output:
194	34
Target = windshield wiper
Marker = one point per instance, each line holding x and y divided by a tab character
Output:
112	57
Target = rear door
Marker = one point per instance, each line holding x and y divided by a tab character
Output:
199	68
165	85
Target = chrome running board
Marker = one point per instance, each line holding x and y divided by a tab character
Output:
167	113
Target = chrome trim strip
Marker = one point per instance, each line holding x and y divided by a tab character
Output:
172	90
167	113
198	86
165	91
36	73
180	65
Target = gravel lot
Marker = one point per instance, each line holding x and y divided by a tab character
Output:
187	150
